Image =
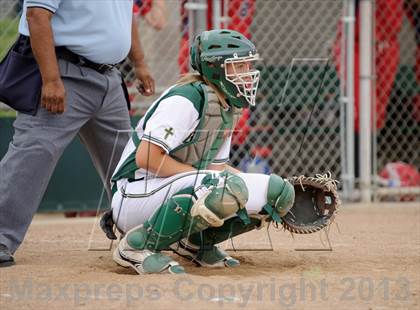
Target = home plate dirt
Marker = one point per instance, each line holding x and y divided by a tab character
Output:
369	259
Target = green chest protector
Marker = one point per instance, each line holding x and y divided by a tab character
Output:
200	148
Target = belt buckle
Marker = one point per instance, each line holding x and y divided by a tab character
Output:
104	68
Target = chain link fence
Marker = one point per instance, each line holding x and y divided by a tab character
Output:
9	19
297	114
295	128
397	102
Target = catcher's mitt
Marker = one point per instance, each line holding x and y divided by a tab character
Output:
316	204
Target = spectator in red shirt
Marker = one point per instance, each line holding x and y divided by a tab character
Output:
412	9
153	11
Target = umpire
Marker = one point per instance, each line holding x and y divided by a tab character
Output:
76	45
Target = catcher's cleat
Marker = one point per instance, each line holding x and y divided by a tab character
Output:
212	256
145	261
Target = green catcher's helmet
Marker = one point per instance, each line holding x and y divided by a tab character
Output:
213	51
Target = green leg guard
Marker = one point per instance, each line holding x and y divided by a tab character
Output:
184	215
280	197
166	226
145	261
140	247
231	228
201	247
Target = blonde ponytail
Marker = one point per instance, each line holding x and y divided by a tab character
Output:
196	77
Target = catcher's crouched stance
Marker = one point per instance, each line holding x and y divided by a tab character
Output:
172	187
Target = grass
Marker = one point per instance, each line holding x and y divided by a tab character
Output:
8	33
7	113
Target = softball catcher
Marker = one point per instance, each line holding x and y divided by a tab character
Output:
173	189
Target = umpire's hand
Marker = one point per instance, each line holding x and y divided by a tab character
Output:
53	96
145	82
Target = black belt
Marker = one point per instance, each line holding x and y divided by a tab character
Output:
64	53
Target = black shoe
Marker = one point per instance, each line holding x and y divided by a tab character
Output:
6	258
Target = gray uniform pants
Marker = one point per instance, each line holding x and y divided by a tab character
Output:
96	110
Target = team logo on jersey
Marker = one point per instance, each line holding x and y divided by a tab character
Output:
168	132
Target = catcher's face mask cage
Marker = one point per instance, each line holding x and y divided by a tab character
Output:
220	56
240	72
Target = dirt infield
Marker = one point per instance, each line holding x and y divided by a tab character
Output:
374	264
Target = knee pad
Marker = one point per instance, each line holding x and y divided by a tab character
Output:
280	194
226	194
